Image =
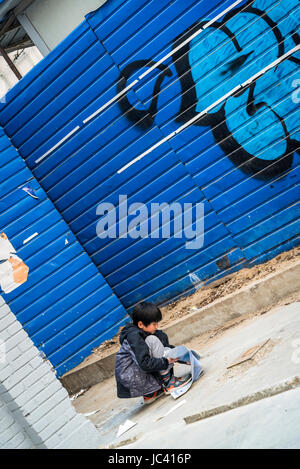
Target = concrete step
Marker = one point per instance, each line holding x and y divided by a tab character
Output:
225	394
256	296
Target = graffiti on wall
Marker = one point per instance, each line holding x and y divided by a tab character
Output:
256	127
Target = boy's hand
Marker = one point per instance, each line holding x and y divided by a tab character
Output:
172	360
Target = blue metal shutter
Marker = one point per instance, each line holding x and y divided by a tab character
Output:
66	306
76	157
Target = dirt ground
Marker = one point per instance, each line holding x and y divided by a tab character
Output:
210	293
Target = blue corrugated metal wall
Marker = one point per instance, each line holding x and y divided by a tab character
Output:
240	159
66	306
245	161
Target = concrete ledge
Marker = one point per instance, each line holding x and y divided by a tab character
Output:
256	396
258	295
93	373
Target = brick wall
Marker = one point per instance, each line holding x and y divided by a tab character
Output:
35	410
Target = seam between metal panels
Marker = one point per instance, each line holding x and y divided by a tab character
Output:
112	175
97	134
27	181
149	71
29	290
31	210
61	364
270	233
148	201
179	177
45	311
52	322
250	177
159	243
291	222
91	326
212	53
192	36
213	145
33	79
254	207
232	186
57	95
212	261
201	281
76	257
205	111
206	282
60	112
146	220
168	269
156	262
210	165
115	240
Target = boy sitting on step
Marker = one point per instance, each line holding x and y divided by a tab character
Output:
141	368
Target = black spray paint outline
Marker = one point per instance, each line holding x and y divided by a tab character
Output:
248	163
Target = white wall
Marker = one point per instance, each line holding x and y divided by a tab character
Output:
35	410
48	22
24	62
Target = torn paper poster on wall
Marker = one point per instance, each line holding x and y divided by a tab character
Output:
13	271
188	356
30	191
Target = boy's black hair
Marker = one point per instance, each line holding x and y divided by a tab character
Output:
146	312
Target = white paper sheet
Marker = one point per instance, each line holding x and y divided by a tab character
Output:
186	355
125	427
6	249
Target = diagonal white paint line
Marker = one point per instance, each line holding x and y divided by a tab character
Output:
119	95
207	25
146	153
115	98
171	410
182	44
211	106
57	144
30	238
86	120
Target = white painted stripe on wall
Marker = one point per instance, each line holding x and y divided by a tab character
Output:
30	238
57	144
119	95
115	98
211	106
182	44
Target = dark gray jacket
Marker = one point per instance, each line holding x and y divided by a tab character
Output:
137	373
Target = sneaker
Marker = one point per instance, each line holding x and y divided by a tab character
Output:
149	398
176	383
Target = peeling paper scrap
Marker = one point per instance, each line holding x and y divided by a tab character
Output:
125	427
30	192
13	271
82	391
67	237
6	248
171	410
